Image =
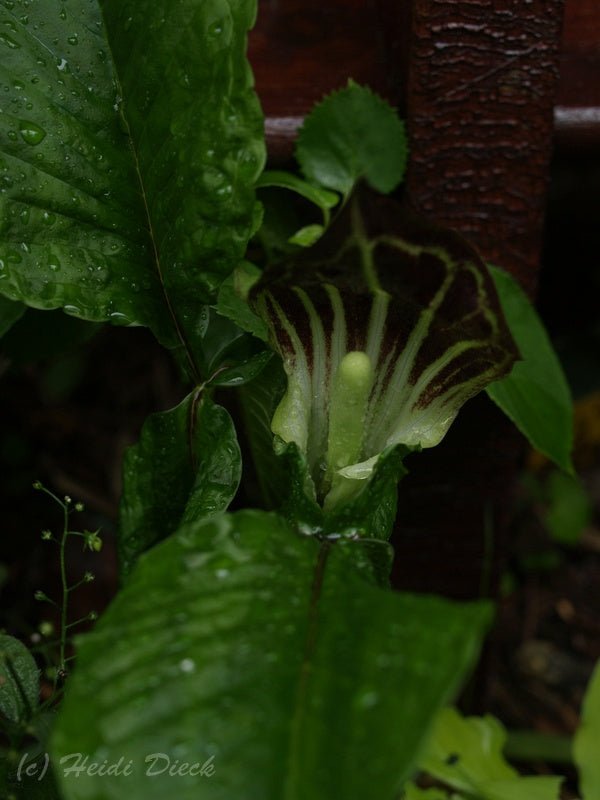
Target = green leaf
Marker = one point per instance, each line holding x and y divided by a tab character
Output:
286	180
233	300
585	745
186	466
19	680
231	357
129	148
353	134
10	312
466	754
307	236
412	792
570	508
274	655
371	504
535	395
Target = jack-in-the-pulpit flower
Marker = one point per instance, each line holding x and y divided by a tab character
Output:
385	327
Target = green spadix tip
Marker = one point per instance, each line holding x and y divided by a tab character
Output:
351	389
355	371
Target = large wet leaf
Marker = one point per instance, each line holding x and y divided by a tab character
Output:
277	658
130	139
186	466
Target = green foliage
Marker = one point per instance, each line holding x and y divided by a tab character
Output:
233	300
535	395
350	135
466	754
569	509
186	466
315	194
266	647
128	158
276	655
585	746
19	680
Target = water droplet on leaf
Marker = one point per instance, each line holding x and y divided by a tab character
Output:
31	133
8	41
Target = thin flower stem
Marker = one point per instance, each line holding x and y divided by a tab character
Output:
65	592
77	622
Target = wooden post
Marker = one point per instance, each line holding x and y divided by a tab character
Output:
482	78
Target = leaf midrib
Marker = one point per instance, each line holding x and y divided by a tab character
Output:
157	262
295	768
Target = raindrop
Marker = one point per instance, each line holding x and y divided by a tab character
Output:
48	218
62	65
69	309
216	29
13	257
31	133
187	665
54	265
120	319
8	41
63	14
367	699
73	40
12	135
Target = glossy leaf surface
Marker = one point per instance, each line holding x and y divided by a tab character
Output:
130	140
277	657
186	466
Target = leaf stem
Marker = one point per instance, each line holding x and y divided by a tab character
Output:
534	746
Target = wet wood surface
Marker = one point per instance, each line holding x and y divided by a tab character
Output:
302	50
